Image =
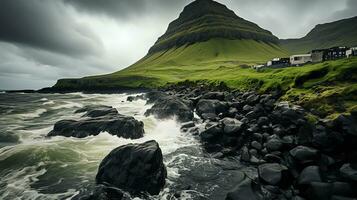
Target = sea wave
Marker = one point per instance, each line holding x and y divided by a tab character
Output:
34	114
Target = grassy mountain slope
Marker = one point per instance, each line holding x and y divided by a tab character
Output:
196	61
203	20
339	33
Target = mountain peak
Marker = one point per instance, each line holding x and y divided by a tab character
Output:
203	20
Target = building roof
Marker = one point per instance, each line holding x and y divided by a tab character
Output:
301	55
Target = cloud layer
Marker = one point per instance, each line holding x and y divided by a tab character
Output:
42	41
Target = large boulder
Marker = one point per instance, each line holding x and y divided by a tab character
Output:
97	111
214	95
303	154
247	189
349	172
211	108
346	123
309	174
231	125
172	106
154	96
119	125
273	173
135	168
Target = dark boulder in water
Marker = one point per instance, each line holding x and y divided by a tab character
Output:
172	106
119	125
97	111
135	168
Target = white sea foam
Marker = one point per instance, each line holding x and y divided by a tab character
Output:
68	104
48	103
34	114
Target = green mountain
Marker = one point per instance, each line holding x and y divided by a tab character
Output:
207	37
338	33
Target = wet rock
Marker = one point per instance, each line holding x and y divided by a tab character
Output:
247	108
344	189
231	125
212	134
335	197
303	154
252	99
212	107
319	191
136	168
263	121
272	158
347	123
349	172
214	95
274	144
325	139
256	145
172	106
245	155
309	174
273	173
247	189
153	96
119	125
97	111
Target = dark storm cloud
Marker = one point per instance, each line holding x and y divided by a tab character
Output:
45	25
129	8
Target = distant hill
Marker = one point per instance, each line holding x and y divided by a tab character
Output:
338	33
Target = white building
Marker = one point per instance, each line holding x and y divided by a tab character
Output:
351	52
300	59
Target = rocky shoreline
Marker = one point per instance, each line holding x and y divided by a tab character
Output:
292	157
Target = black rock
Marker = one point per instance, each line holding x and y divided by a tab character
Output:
256	145
214	95
135	168
347	123
303	154
274	144
273	173
263	121
212	107
344	189
153	96
349	172
212	134
309	174
97	111
245	155
319	191
231	125
119	125
247	189
172	106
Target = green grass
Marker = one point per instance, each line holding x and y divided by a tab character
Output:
328	88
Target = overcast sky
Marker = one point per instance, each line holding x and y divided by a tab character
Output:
44	40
